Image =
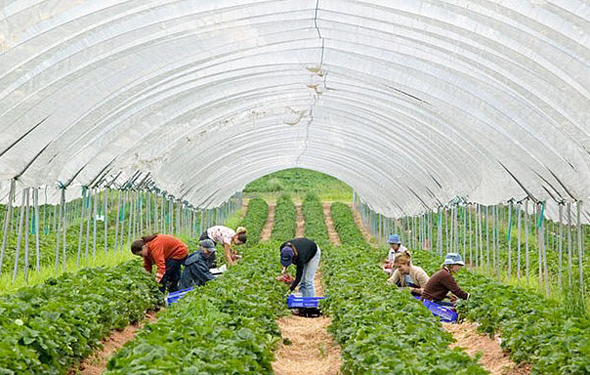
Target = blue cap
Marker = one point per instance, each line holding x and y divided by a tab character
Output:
453	259
394	238
286	256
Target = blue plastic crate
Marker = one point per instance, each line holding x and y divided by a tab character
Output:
293	301
175	296
446	314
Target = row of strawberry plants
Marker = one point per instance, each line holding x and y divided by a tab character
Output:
255	219
48	327
285	225
535	330
344	224
225	327
381	328
315	221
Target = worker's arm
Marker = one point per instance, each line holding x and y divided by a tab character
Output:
451	284
147	264
394	278
158	256
422	278
227	253
203	268
298	277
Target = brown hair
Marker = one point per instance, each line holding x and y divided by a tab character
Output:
137	245
243	237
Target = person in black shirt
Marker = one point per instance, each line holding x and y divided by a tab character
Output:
305	254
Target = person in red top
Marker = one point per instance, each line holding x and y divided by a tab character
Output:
167	253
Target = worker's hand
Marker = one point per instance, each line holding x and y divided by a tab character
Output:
453	299
390	280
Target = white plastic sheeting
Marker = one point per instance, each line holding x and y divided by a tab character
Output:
410	102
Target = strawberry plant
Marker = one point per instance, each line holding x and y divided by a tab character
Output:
285	224
225	327
255	219
315	221
47	328
535	330
344	223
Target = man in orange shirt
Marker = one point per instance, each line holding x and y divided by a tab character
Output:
167	253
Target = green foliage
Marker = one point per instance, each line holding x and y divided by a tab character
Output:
255	219
285	225
535	330
381	328
298	180
48	327
344	224
315	221
225	327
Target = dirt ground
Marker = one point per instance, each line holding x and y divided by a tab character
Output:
359	223
244	209
494	359
96	363
307	348
334	239
300	221
270	220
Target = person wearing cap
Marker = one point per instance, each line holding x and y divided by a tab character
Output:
226	237
443	282
305	254
396	247
196	266
406	275
167	253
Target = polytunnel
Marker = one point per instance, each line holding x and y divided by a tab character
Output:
412	103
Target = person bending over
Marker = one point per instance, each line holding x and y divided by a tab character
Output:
167	253
226	237
305	254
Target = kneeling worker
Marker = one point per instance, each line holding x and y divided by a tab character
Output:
196	266
305	254
408	275
442	282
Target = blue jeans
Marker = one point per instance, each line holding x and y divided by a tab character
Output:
306	286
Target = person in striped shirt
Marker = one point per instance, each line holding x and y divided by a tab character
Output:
167	253
226	237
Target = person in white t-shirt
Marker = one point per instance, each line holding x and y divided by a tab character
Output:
396	247
227	237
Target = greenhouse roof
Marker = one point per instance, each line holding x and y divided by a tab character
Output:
412	103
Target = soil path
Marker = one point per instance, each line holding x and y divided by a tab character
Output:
310	349
270	220
334	238
494	359
96	363
244	209
359	223
300	221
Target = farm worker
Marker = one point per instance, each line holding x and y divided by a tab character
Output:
395	248
443	282
196	266
305	254
167	253
227	237
408	275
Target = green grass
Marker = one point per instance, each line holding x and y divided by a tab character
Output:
298	182
45	272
